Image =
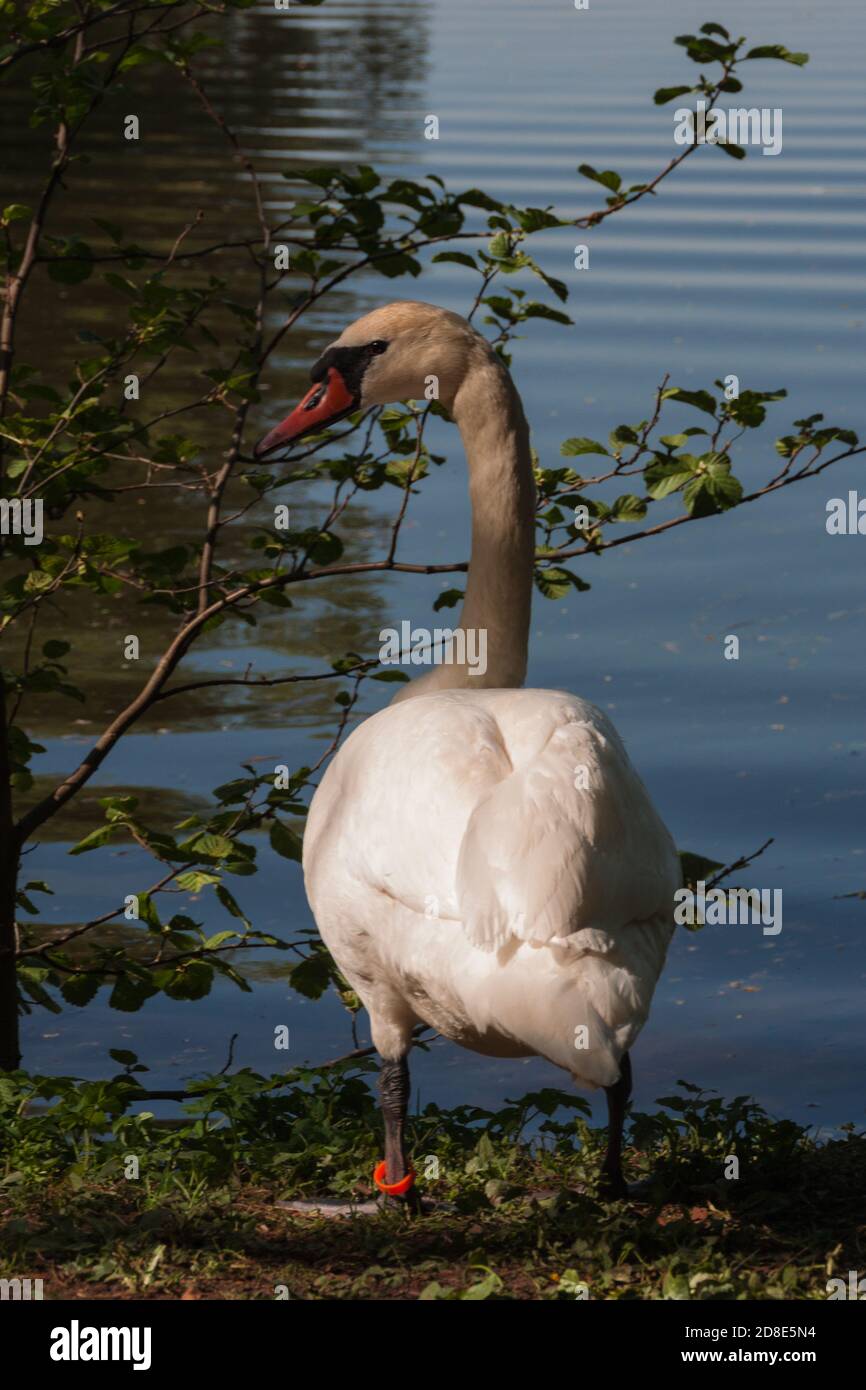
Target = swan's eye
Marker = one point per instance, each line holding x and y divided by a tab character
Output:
377	347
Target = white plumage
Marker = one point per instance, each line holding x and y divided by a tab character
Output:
461	878
479	857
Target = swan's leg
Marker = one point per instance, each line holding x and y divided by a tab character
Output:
612	1181
394	1100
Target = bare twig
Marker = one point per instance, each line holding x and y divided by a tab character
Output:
738	864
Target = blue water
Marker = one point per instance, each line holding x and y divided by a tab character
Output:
754	268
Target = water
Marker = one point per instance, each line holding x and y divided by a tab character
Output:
754	268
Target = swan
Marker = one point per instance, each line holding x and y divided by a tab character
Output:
479	857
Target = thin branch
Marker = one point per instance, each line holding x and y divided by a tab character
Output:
353	1056
259	681
593	219
595	547
739	863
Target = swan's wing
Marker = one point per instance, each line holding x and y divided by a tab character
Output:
393	806
516	813
568	842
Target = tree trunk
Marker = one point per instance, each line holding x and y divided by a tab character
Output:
10	1052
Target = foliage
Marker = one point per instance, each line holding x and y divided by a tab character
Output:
521	1216
77	443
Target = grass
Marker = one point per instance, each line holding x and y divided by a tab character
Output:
524	1220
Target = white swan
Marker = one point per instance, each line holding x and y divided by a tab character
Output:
479	857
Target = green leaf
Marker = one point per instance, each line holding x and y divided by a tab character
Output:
570	448
124	1057
623	434
696	866
668	93
37	580
555	583
485	1288
448	599
94	840
705	496
778	50
214	846
312	976
502	306
73	267
748	408
559	287
535	310
607	177
195	879
735	151
499	246
364	180
80	989
668	475
236	790
405	472
537	219
628	508
675	1286
701	400
458	257
393	266
30	978
147	911
116	807
219	938
713	488
712	28
128	995
319	175
286	842
55	649
476	198
326	548
231	905
704	50
191	980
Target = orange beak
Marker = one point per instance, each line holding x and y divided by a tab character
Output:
327	401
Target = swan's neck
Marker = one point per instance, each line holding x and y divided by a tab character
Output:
494	623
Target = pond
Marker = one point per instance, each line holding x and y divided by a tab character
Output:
754	268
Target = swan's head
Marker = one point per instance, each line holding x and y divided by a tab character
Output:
403	351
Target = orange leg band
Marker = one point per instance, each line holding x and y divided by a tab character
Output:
394	1189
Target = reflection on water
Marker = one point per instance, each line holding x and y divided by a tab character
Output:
755	268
